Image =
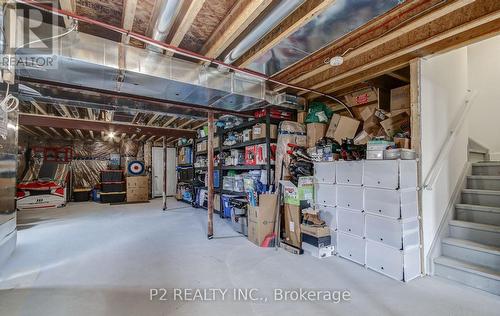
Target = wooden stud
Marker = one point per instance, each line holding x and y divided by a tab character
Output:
186	21
416	132
210	171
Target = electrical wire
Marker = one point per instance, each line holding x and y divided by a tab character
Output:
175	49
10	103
73	27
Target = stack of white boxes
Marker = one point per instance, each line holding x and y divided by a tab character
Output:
371	208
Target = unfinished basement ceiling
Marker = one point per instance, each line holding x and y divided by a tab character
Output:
341	18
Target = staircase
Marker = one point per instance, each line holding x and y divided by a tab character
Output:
471	253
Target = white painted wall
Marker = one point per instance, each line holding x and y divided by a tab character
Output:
443	88
484	77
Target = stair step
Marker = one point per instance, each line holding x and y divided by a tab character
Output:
483	182
481	197
478	151
472	252
467	273
481	233
491	168
478	214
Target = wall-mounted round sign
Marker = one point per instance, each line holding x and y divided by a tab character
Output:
136	168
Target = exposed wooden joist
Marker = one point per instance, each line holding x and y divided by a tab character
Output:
240	17
79	132
29	131
196	126
299	17
186	21
68	132
170	121
39	108
55	131
129	8
43	131
185	123
91	134
152	119
70	6
102	126
443	27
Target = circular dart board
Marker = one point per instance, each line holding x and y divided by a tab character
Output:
136	168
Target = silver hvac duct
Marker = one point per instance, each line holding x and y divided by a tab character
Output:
164	21
278	13
89	61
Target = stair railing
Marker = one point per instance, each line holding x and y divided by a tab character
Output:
438	164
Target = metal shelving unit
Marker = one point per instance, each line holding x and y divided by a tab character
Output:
185	165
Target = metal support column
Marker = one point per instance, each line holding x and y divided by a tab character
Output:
210	170
165	185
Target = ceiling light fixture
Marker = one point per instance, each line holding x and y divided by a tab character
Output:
336	61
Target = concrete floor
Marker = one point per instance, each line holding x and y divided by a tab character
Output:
92	259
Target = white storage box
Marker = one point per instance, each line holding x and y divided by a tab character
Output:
350	197
397	264
390	174
319	252
324	172
326	194
349	172
329	215
397	233
351	222
390	203
351	247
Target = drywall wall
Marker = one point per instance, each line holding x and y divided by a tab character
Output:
443	92
484	77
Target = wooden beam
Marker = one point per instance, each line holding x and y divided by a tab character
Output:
290	24
79	132
91	134
240	17
68	132
152	119
199	125
210	173
101	126
186	21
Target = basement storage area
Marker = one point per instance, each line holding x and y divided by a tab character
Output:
249	157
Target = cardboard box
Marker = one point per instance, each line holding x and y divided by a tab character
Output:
247	135
362	97
301	117
319	252
364	112
138	189
292	225
250	155
137	182
315	231
259	131
402	142
305	188
315	131
397	123
261	154
216	142
201	146
342	127
290	193
400	98
262	218
217	202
